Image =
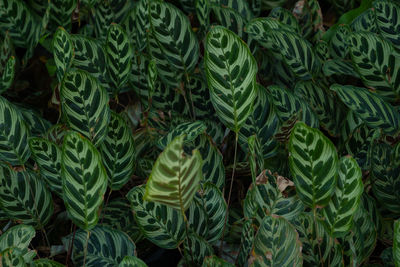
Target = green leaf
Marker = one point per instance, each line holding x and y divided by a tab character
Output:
231	74
213	166
387	19
119	53
118	152
322	103
37	125
174	36
198	247
61	13
7	77
361	240
214	261
84	180
105	247
241	6
267	199
338	45
63	50
287	104
48	157
89	55
190	129
313	163
203	14
285	17
263	122
396	243
85	105
246	242
175	177
17	239
14	147
377	64
161	224
385	169
339	212
317	246
339	67
132	261
296	52
25	197
276	244
23	25
207	213
46	263
369	107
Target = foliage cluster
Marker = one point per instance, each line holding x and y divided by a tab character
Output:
233	132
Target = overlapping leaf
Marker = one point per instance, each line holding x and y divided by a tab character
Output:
339	212
118	152
102	246
190	129
48	157
313	163
13	135
7	76
172	32
385	169
396	243
84	180
17	240
132	261
85	105
161	224
231	74
119	53
118	215
376	63
387	14
276	244
63	52
369	107
175	177
25	197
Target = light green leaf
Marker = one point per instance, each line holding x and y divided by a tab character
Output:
198	247
84	180
231	74
175	177
339	212
313	163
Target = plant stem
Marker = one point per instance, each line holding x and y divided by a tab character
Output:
85	249
316	235
230	193
105	205
70	246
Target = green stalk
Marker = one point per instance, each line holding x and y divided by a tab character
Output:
230	192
